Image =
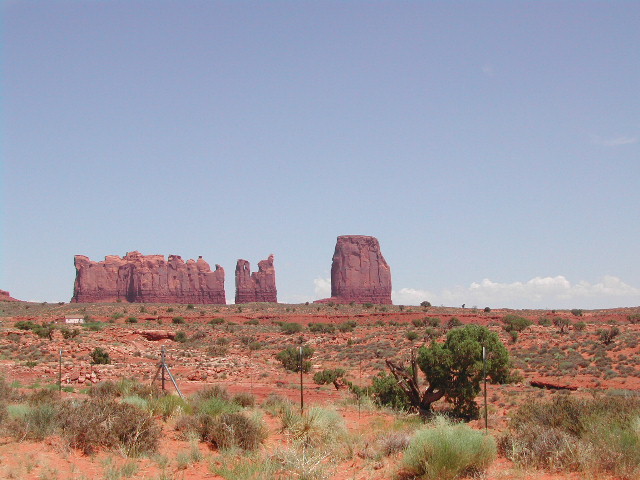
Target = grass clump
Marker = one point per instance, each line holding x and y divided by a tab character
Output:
443	450
317	427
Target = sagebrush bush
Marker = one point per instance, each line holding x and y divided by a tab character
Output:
237	430
442	450
244	399
599	434
94	423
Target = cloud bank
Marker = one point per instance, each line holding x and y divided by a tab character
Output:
539	292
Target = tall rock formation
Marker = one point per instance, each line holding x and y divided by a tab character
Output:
258	286
359	272
147	279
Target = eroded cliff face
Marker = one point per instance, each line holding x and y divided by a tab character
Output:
147	279
359	272
6	297
259	286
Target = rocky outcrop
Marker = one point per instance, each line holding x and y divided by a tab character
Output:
6	297
258	286
359	272
147	279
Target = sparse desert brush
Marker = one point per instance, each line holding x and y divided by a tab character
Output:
94	423
34	422
443	450
244	399
598	435
237	430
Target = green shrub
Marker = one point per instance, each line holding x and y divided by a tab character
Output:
580	326
545	321
386	392
577	312
443	450
255	346
216	321
432	322
253	321
348	326
454	322
290	358
99	356
607	335
177	320
289	328
190	306
329	376
44	330
562	323
181	336
411	335
425	304
487	310
322	327
419	322
634	318
132	320
515	323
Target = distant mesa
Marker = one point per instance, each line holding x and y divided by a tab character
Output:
6	297
359	272
258	286
138	278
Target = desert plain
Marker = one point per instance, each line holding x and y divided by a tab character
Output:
234	348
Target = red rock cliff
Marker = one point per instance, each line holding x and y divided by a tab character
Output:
359	272
6	297
259	286
147	279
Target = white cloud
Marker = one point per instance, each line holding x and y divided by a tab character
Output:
614	141
539	292
322	287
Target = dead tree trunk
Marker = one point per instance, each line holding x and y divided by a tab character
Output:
407	381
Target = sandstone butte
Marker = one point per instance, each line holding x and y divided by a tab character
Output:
147	279
359	272
6	297
258	286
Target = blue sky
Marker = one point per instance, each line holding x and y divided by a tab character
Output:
492	147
